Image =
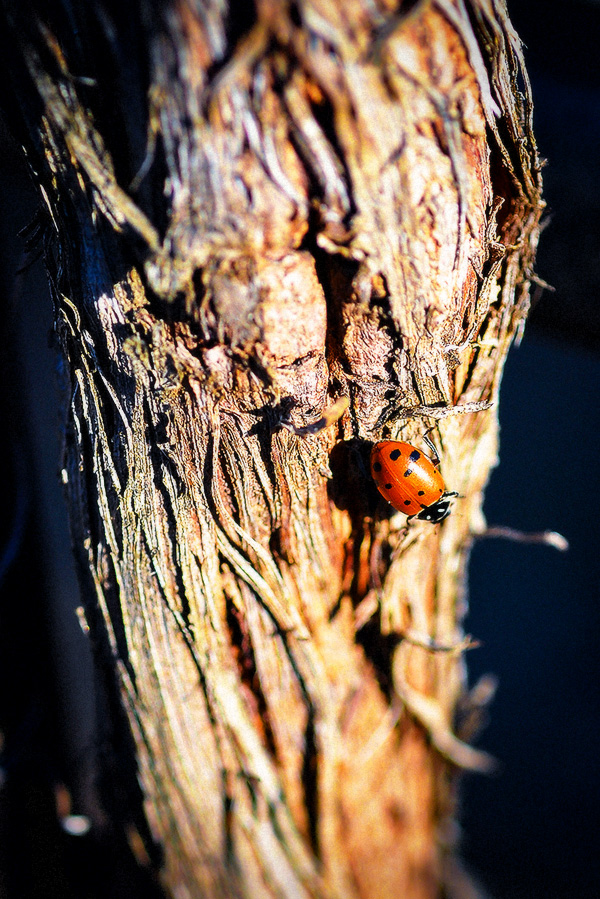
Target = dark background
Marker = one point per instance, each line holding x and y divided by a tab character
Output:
529	832
532	832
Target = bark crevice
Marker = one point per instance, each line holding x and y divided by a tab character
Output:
323	240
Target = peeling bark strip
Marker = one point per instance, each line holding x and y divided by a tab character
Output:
254	215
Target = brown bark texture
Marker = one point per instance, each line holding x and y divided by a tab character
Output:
274	235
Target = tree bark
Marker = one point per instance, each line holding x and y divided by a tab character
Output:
274	236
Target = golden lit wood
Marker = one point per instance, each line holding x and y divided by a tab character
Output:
337	209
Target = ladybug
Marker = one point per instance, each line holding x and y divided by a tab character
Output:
410	481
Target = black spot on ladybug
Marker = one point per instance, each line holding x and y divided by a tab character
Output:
388	486
407	502
421	493
376	466
395	454
414	456
408	472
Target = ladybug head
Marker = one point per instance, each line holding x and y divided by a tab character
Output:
437	511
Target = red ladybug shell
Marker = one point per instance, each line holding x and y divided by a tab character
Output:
409	480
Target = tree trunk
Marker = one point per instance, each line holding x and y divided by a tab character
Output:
274	236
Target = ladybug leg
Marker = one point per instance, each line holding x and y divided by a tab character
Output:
434	453
410	519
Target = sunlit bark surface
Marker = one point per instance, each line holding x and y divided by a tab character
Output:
275	235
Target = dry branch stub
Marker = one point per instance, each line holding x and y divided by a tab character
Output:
325	241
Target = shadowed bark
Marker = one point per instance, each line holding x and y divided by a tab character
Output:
275	235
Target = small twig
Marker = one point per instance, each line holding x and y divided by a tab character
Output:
433	718
549	538
328	418
472	711
444	411
430	714
426	642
